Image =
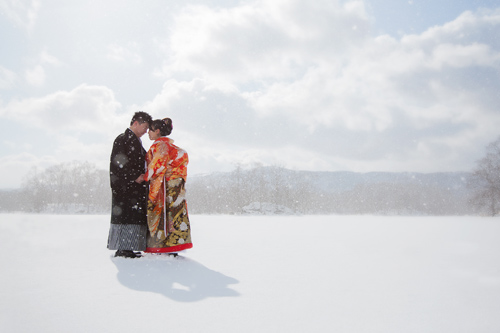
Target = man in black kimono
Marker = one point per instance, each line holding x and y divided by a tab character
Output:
129	190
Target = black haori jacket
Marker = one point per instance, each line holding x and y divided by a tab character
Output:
127	162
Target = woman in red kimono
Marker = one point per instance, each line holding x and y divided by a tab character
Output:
168	221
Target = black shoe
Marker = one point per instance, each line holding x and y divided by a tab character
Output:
127	254
169	254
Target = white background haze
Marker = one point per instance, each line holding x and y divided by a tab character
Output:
314	85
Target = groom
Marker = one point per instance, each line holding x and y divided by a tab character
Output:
129	191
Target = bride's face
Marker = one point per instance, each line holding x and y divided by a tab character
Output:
153	135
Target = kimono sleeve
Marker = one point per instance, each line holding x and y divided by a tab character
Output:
157	159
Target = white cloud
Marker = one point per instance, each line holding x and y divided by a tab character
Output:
35	76
70	148
422	102
49	59
83	109
462	56
23	13
264	40
7	78
125	54
62	127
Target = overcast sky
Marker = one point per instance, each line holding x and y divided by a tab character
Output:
373	85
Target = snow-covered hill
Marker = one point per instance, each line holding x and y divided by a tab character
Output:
255	274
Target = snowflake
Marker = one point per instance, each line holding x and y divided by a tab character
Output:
183	226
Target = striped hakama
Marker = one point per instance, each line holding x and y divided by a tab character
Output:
127	237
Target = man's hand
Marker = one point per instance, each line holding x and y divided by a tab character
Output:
140	179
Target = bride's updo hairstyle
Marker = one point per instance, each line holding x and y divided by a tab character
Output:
164	125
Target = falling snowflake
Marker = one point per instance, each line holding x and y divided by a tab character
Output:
117	210
183	226
181	241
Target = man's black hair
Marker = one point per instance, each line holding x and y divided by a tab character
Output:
141	117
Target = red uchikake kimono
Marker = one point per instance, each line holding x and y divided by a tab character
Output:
168	221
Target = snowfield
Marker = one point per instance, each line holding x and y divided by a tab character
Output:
255	274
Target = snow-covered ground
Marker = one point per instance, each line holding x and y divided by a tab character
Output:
255	274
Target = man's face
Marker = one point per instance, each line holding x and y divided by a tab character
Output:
142	128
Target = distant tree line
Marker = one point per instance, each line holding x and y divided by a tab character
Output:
75	187
79	187
232	193
229	193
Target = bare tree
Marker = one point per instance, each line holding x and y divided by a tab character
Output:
238	193
485	179
66	185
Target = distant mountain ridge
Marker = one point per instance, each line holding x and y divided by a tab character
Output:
341	181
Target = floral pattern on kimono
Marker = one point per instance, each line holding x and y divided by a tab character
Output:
168	221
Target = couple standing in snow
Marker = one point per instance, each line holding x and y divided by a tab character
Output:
149	211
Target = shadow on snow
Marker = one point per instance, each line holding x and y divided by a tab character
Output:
181	279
